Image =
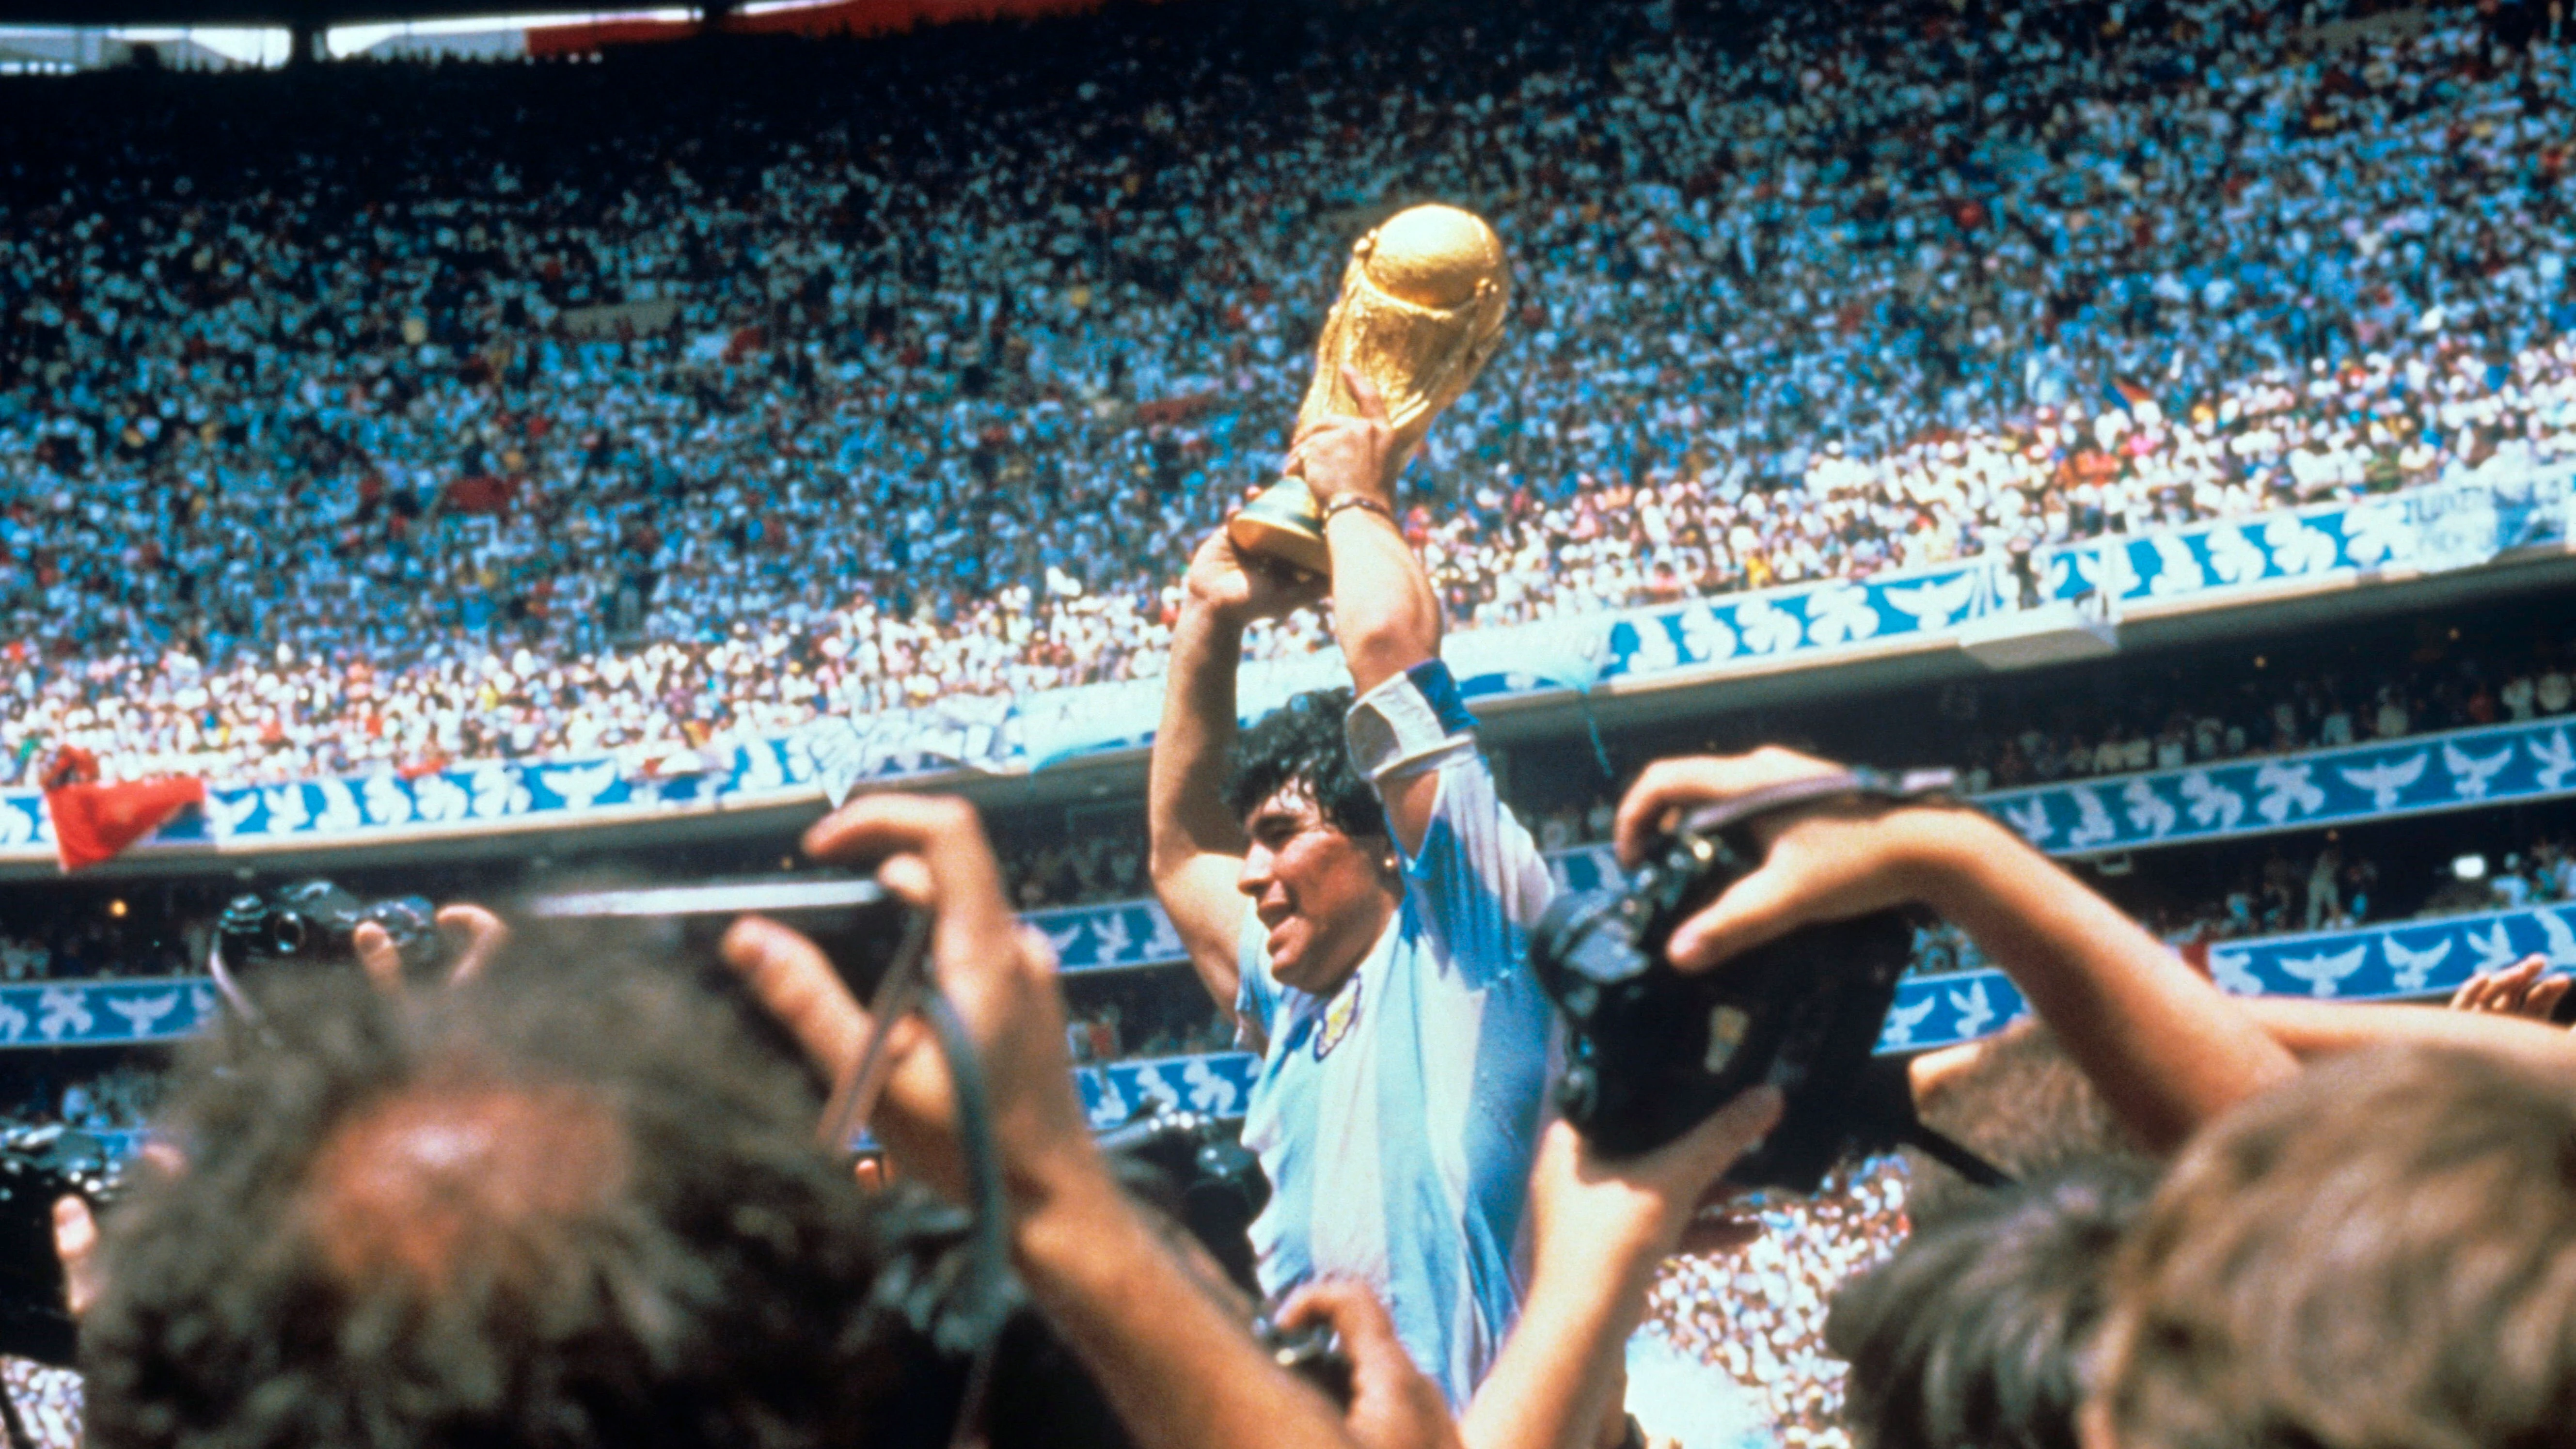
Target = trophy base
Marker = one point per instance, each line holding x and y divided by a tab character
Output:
1283	523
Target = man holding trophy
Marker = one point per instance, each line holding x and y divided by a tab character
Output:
1346	879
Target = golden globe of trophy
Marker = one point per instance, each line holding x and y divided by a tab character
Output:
1420	314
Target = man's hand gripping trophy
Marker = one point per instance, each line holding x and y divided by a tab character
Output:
1420	314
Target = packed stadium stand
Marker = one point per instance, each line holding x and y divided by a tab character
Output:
382	417
371	426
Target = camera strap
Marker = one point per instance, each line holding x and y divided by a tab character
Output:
984	1302
898	995
1859	782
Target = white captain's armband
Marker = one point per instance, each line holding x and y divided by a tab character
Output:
1409	724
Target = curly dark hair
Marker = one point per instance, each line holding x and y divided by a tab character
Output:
1971	1336
562	1208
1301	743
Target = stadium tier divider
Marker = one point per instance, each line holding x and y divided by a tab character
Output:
2465	522
2390	961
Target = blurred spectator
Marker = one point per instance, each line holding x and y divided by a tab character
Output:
48	1401
1758	1314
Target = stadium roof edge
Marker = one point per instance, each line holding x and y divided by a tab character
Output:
91	14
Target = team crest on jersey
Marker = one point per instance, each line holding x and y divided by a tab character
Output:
1339	1017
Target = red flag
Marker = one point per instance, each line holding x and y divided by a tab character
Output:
94	822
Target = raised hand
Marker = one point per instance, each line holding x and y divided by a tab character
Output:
1239	588
998	974
2522	989
1393	1406
473	936
1346	454
1828	861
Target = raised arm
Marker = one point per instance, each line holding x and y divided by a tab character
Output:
1598	1229
2309	1029
2167	1049
1197	846
1385	615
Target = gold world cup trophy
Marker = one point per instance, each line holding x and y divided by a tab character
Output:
1420	314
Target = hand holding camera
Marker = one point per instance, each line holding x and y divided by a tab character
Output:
1832	859
469	938
1387	1403
2167	1047
1802	900
398	941
999	976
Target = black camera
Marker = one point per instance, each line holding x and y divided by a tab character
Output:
1652	1051
1194	1167
38	1166
316	922
857	924
863	929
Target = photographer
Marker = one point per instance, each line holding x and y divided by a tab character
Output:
1349	885
1974	1332
2165	1047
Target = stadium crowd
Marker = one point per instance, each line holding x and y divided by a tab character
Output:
78	946
2207	720
1133	1016
48	1401
388	439
92	1099
2003	734
1758	1314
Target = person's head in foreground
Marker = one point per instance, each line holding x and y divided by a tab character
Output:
1319	866
2380	1254
587	1211
1971	1335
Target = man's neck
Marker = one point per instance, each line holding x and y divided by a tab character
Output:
1368	927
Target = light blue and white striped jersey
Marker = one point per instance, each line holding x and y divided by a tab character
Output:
1397	1119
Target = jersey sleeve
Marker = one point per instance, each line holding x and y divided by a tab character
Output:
1479	878
1478	881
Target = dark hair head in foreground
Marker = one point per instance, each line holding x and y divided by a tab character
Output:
1302	744
1971	1335
2381	1253
570	1209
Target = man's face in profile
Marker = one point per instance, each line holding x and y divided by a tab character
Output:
1321	894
